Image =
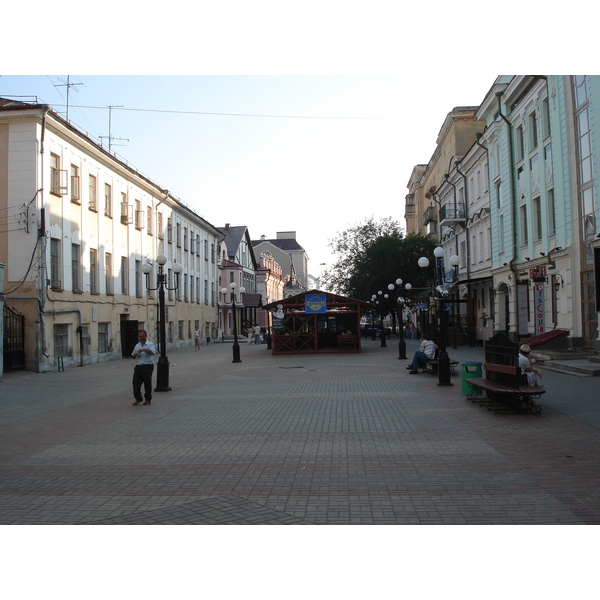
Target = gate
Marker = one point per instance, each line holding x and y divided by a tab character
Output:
14	339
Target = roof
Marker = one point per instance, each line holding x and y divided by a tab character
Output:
287	245
333	300
233	236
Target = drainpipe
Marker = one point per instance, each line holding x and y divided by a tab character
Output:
487	151
513	198
467	240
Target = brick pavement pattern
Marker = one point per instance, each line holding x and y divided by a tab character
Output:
312	439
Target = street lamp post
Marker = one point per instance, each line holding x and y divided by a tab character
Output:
382	296
162	366
236	345
444	359
400	302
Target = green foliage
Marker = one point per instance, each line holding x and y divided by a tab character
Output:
371	255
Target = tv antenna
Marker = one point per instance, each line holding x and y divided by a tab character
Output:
68	84
109	136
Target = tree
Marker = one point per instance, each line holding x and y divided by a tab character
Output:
372	255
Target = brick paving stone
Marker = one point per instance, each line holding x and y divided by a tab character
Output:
341	439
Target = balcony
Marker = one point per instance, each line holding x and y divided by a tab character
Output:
452	213
430	215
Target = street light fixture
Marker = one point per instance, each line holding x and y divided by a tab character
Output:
382	296
236	345
162	367
400	301
442	290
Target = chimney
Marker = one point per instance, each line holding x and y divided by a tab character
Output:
286	235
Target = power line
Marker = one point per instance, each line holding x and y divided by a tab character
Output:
219	114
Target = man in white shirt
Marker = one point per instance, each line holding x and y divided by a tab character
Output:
144	352
425	352
525	363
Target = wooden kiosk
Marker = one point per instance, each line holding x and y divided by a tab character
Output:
316	321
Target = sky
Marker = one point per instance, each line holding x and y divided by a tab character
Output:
311	154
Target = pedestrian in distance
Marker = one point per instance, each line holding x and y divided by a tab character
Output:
143	352
425	352
197	338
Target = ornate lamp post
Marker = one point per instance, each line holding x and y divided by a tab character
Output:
380	302
444	359
236	345
162	367
400	302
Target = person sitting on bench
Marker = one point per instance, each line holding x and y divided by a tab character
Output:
525	363
425	352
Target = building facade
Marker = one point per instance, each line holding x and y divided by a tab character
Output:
237	265
80	225
520	208
289	254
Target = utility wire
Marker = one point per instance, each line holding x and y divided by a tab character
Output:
218	114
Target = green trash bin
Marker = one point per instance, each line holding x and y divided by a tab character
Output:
469	370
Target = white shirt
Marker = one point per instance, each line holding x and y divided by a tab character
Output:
428	348
143	358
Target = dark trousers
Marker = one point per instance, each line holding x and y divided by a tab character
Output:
142	374
420	358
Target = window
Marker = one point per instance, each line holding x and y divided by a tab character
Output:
139	215
61	341
126	215
178	226
185	238
545	118
159	226
533	131
124	275
76	267
185	287
524	233
138	278
85	339
107	200
93	198
108	273
205	291
55	176
75	193
149	220
520	144
551	213
537	215
103	337
55	268
93	271
180	329
170	231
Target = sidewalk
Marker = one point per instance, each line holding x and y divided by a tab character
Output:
311	439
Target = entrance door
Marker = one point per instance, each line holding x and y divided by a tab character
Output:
589	315
129	336
14	340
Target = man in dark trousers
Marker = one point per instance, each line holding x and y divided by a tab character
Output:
142	373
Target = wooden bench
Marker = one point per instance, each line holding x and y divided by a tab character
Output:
505	393
431	366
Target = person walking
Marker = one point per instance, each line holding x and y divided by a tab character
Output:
197	338
142	372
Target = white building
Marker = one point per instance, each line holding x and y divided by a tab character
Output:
79	226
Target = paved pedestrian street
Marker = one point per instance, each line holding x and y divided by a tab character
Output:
347	439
